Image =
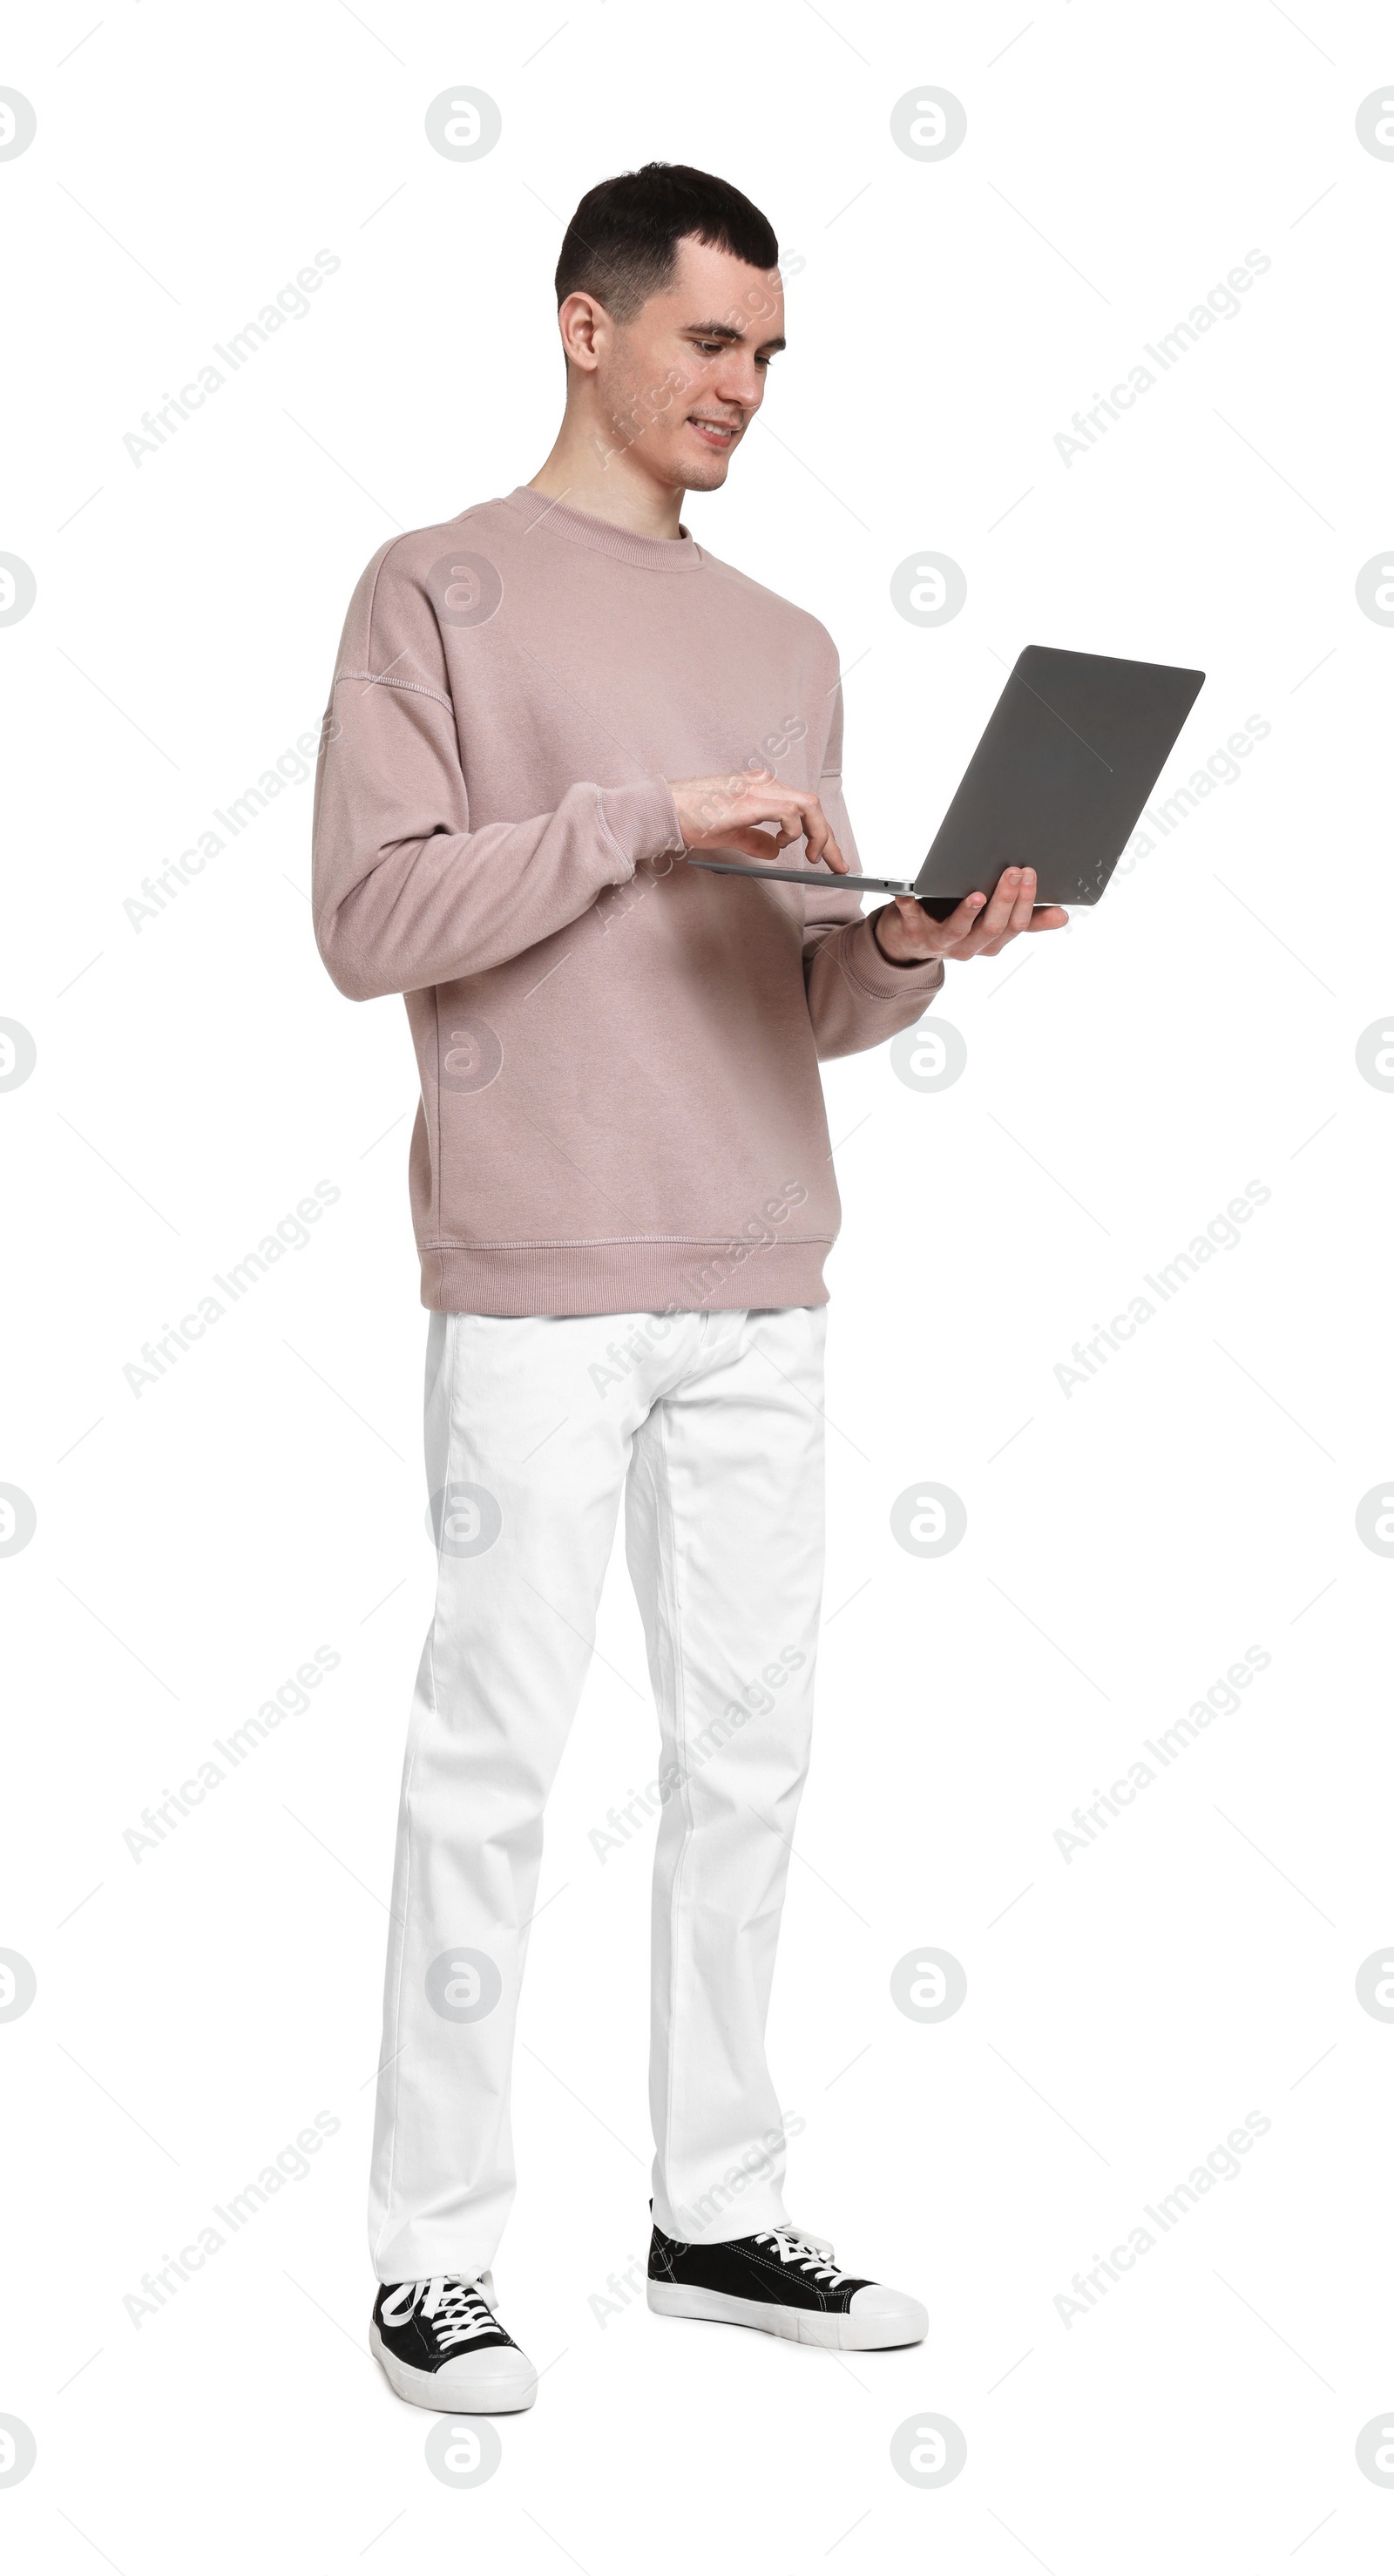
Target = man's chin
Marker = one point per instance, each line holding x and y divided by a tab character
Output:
705	468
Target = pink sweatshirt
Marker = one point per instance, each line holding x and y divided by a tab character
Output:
620	1101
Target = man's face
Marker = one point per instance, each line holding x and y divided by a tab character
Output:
679	384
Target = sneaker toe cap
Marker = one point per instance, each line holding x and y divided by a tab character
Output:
501	2371
891	2308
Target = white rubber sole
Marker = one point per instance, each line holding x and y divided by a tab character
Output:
465	2387
906	2324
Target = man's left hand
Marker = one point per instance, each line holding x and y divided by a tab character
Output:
980	927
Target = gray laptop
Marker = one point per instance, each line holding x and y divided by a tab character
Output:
1071	753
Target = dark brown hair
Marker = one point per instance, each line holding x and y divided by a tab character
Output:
621	244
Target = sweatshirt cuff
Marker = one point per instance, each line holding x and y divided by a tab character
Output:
876	975
641	820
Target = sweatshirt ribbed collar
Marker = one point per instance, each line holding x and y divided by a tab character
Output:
651	554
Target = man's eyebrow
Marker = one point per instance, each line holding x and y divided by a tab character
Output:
727	331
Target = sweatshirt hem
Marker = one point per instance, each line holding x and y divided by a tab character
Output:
624	1278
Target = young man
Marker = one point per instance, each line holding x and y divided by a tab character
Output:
623	1198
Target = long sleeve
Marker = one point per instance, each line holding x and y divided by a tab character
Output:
856	999
405	895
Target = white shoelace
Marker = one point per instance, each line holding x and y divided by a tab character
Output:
458	2309
807	2257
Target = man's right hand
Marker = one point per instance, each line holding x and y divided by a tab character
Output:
727	814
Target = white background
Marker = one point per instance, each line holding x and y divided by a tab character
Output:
1126	1542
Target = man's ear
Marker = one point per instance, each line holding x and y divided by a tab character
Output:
582	321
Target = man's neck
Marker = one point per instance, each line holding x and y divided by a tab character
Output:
608	484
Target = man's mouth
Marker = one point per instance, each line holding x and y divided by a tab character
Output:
720	434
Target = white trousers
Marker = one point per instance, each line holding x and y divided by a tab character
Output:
712	1426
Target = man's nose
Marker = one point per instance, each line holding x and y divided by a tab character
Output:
738	381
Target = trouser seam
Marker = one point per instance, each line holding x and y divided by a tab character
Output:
668	1572
453	1338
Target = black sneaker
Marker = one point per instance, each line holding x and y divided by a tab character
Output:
441	2345
784	2283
